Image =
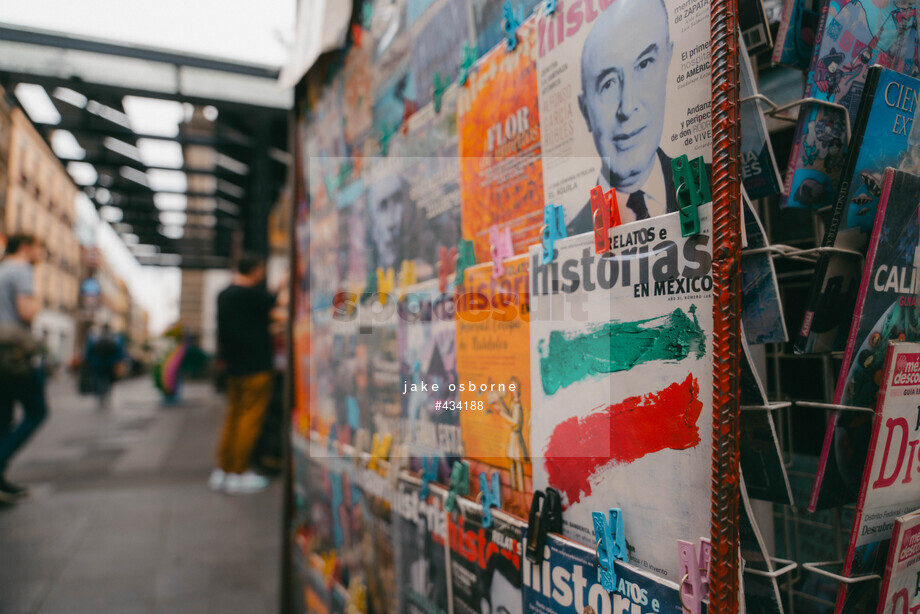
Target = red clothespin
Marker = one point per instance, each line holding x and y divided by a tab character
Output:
356	34
605	213
694	572
409	107
501	248
446	265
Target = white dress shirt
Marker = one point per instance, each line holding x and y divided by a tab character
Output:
656	198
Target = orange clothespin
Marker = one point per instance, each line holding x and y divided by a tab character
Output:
605	213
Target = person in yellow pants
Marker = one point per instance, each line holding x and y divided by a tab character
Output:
244	312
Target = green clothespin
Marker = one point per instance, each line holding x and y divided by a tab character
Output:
466	258
467	59
437	91
459	484
692	185
385	135
367	14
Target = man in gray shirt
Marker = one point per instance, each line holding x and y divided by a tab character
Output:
18	307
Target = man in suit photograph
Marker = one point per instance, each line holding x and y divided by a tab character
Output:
624	79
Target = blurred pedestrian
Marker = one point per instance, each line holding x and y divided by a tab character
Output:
245	348
105	354
21	375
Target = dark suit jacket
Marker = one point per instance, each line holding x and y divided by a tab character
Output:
582	222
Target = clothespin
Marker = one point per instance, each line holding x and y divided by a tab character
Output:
409	107
605	213
692	185
338	497
429	474
467	59
380	449
407	276
357	595
357	33
553	230
501	248
550	7
367	14
446	261
466	258
510	24
386	283
694	572
437	91
353	414
611	546
332	439
459	484
491	497
545	517
386	133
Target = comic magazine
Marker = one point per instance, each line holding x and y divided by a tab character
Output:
501	178
566	582
485	562
494	373
761	593
902	572
761	308
599	130
759	172
422	566
488	17
881	138
852	36
621	362
427	338
795	38
886	310
886	491
438	35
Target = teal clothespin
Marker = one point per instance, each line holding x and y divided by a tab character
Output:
692	185
491	497
467	59
437	91
386	133
610	547
354	416
429	474
459	484
550	7
553	230
367	15
466	258
511	23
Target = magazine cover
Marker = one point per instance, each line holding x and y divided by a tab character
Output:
392	84
761	593
624	88
761	308
881	139
437	37
886	310
377	384
795	38
488	17
621	366
427	338
501	177
494	373
566	582
902	573
377	554
852	35
422	567
759	172
886	491
485	563
755	27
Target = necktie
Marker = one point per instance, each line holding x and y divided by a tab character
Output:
636	204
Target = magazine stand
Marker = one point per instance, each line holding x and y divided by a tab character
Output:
776	111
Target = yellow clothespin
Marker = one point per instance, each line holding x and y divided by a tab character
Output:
380	450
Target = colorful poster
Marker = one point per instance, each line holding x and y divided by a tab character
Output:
622	399
902	573
501	177
494	373
422	567
624	88
485	562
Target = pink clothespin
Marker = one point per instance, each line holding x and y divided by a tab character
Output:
501	248
694	572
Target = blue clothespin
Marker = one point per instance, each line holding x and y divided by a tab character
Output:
437	91
692	184
611	546
467	59
466	258
429	474
459	484
553	230
354	415
491	497
511	23
550	7
338	496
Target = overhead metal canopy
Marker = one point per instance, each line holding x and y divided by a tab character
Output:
233	140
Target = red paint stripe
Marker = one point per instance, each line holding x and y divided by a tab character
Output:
580	448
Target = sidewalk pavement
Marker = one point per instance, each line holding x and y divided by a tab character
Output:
120	519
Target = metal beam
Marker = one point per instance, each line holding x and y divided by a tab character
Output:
218	171
140	190
80	128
